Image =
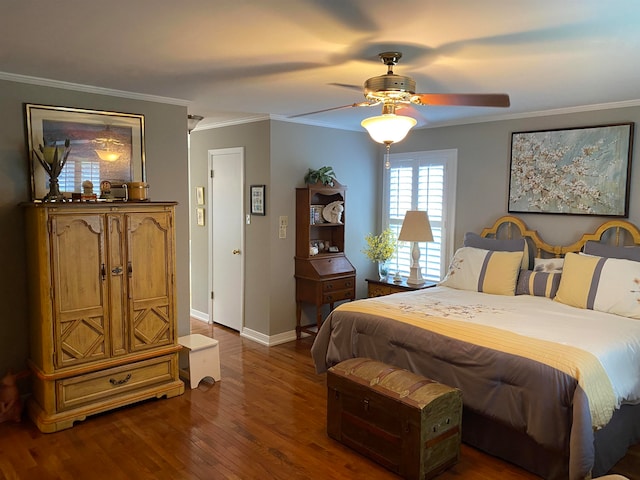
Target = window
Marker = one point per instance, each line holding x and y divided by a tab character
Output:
422	181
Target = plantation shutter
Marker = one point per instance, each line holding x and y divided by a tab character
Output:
417	182
76	172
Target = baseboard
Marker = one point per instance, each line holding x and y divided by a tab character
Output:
253	335
204	317
268	340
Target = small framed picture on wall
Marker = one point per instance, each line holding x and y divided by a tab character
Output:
200	217
200	195
258	202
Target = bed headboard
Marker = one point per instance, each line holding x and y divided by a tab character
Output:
613	232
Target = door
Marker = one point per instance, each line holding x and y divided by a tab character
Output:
226	236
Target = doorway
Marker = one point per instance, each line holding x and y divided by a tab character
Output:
226	237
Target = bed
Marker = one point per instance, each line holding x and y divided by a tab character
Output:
543	341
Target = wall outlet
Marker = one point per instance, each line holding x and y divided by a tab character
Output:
248	219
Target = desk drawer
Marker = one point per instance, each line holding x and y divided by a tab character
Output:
338	284
97	386
330	297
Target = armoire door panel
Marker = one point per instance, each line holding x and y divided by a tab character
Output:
116	277
150	256
80	305
82	340
151	325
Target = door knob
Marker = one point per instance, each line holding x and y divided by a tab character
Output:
236	252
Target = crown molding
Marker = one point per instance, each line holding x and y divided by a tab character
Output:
45	82
211	123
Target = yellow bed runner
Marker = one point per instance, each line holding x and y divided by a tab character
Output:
580	364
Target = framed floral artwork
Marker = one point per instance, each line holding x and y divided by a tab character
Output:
578	171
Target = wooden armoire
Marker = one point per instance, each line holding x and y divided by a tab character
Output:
102	308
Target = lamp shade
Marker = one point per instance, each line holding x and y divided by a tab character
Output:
388	128
416	227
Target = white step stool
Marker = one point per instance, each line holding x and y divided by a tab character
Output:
203	357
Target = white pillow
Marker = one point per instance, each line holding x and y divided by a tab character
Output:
548	264
485	271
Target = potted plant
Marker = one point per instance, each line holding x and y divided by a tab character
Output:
380	248
325	175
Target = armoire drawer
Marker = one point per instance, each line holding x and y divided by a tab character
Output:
98	386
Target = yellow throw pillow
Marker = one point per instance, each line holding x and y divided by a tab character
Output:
578	275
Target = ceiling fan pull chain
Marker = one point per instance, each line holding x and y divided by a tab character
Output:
387	162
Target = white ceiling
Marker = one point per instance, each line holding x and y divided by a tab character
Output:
233	60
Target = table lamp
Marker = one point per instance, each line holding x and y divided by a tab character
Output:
415	228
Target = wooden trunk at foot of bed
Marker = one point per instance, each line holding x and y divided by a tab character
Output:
405	422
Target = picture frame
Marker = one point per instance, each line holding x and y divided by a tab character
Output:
200	195
200	217
575	171
316	214
258	201
105	146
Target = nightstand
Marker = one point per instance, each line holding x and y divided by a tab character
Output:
380	288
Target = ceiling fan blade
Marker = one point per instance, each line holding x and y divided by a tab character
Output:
348	14
347	85
464	99
361	104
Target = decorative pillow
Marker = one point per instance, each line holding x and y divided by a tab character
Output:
605	284
499	245
485	271
611	251
548	264
539	284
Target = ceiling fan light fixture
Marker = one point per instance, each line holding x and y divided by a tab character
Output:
388	128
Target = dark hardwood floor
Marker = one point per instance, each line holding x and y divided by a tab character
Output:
264	420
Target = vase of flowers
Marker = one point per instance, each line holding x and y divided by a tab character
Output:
380	249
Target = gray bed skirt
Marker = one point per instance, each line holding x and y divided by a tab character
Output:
499	440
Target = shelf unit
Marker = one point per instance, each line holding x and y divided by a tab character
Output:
328	276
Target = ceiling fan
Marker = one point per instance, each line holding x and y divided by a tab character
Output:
394	91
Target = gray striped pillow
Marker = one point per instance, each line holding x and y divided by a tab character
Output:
539	284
